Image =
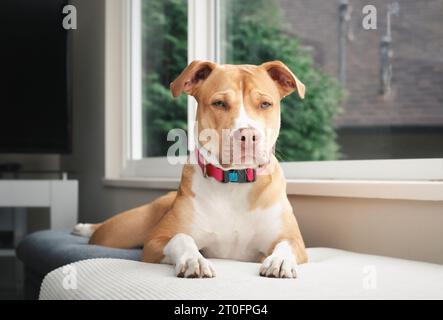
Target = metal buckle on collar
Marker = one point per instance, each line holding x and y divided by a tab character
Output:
235	176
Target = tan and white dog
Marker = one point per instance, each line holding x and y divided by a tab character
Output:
207	218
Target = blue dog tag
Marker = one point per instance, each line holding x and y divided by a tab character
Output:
233	176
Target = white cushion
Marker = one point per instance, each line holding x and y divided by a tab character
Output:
330	274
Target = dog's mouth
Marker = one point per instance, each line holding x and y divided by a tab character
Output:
229	154
242	159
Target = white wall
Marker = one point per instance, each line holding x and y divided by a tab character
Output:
397	228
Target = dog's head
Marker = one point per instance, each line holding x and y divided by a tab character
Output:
238	114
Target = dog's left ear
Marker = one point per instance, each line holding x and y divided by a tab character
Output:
286	81
191	77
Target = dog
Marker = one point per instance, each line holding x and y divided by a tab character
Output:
222	209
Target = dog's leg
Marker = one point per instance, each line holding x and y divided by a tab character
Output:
182	252
128	229
287	252
281	263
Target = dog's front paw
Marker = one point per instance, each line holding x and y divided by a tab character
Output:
278	267
195	267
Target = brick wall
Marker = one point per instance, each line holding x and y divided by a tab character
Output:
417	83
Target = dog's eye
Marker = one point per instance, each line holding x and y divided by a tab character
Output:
219	104
265	105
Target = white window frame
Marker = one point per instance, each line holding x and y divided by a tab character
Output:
123	30
124	163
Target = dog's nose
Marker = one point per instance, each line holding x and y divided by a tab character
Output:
247	135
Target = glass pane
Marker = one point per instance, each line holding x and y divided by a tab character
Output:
371	93
164	45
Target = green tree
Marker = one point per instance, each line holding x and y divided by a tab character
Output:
164	57
254	34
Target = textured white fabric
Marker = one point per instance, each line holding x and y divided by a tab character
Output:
331	274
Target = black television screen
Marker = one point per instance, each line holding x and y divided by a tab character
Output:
35	114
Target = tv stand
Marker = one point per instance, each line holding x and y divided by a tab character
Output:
10	167
60	196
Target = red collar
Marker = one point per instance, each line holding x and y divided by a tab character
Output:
225	176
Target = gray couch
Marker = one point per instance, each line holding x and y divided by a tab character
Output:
44	251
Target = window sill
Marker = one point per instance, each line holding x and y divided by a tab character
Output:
143	183
398	190
373	189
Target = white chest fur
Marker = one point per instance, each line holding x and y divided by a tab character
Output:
225	227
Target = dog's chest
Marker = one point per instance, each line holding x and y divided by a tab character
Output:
223	224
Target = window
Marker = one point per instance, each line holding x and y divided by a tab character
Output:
371	94
154	42
375	95
164	53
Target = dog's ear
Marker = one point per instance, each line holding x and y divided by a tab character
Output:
286	81
191	77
